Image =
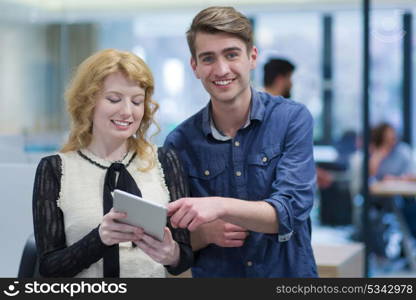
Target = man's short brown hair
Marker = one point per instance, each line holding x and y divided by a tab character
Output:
220	19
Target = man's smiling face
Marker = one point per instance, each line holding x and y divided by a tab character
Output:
223	65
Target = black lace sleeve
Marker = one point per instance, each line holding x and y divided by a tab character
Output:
177	184
55	258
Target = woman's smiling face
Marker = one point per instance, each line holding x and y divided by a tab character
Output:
119	109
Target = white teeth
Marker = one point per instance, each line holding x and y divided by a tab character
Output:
223	82
121	123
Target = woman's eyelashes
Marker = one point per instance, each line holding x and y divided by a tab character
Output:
136	102
113	99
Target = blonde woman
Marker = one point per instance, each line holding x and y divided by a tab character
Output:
77	231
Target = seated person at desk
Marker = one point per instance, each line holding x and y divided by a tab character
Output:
77	231
392	159
388	157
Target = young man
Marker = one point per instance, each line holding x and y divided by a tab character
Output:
278	77
249	160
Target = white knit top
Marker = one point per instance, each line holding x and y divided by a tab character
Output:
81	201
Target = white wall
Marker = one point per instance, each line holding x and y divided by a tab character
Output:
16	184
22	55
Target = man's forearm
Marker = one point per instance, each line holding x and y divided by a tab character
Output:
258	216
191	213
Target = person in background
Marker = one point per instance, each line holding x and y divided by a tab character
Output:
277	81
77	231
277	78
389	158
249	159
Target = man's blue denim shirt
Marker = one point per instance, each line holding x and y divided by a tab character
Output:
269	160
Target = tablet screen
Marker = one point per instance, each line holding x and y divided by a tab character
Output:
141	213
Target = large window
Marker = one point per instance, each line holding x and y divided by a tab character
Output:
347	60
386	76
41	48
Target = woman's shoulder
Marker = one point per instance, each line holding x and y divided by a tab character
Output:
53	159
162	150
167	154
50	165
159	153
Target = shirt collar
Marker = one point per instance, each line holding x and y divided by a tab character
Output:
218	134
257	106
257	110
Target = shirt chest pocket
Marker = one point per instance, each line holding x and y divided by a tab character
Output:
261	168
208	178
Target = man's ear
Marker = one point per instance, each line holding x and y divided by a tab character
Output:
253	57
193	66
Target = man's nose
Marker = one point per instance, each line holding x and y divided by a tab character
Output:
221	68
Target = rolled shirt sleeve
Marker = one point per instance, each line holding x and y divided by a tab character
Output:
294	184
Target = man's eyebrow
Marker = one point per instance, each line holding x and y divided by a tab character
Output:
205	54
223	51
231	49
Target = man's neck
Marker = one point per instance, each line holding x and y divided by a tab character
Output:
230	117
272	90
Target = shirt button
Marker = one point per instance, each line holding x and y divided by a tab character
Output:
206	172
264	159
238	173
249	263
237	143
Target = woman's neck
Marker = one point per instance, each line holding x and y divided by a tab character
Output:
107	151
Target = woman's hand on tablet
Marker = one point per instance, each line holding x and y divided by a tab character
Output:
112	232
166	252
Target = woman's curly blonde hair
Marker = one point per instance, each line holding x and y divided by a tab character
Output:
87	83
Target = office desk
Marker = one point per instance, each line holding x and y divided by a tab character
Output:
339	260
388	188
394	188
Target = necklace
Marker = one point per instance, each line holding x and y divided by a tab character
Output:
100	165
111	161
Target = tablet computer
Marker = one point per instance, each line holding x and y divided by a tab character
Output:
141	213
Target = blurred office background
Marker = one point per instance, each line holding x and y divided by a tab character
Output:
42	41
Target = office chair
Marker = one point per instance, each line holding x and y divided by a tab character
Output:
29	265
